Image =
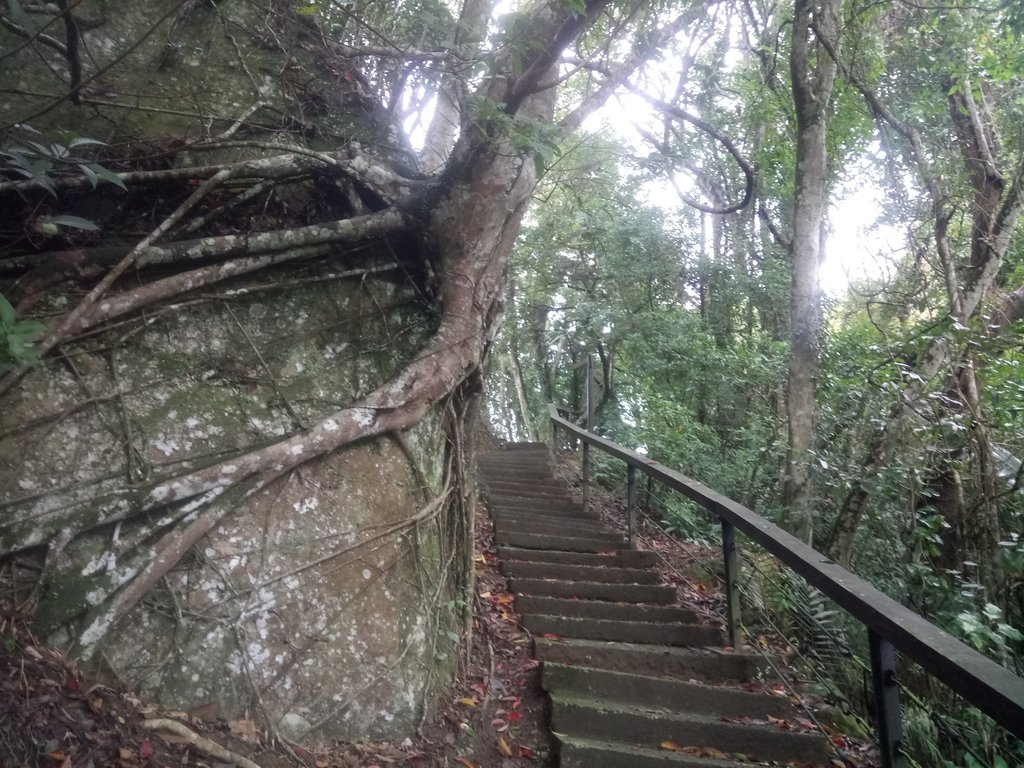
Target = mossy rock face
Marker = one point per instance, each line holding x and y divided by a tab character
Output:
310	603
167	71
302	604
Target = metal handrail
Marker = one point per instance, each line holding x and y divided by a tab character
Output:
993	689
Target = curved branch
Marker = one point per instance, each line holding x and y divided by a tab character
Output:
619	76
717	135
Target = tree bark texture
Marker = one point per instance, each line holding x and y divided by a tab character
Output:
813	75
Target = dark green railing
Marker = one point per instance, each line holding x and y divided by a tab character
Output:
991	688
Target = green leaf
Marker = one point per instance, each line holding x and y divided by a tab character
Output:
91	175
1010	633
538	164
75	222
578	7
6	312
107	175
29	328
16	346
84	141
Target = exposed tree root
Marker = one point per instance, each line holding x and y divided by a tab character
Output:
211	748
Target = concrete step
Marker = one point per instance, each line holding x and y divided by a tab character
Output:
528	488
511	462
582	526
518	506
523	445
648	594
626	558
521	474
532	499
513	519
530	506
600	609
579	752
580	573
650	691
648	727
513	499
608	540
705	664
647	632
566	543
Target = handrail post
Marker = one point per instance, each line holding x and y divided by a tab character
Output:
586	475
586	446
732	594
887	700
631	503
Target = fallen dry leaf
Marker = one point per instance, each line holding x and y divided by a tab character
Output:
244	729
673	747
503	747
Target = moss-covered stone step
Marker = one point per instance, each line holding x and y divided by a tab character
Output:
706	664
580	752
563	542
649	727
557	527
600	609
523	446
648	632
574	524
653	691
514	485
504	461
575	573
531	507
618	593
624	558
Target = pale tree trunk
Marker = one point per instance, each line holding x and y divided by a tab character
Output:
445	125
524	406
812	88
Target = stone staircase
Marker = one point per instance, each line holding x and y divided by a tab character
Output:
634	680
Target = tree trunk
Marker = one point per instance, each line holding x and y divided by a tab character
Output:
812	89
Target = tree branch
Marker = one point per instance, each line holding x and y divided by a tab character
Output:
702	125
619	76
